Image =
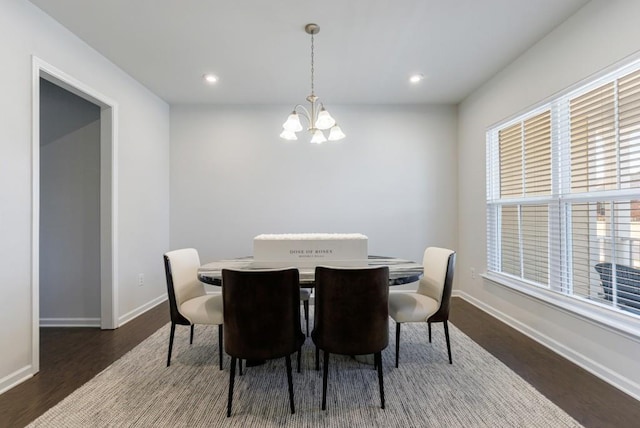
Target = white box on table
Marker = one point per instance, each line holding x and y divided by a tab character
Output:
310	249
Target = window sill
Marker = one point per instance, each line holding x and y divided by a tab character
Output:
627	325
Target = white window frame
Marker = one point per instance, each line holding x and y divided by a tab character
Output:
558	292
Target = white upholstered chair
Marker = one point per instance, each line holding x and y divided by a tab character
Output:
188	302
430	302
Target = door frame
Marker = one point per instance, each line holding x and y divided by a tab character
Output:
108	196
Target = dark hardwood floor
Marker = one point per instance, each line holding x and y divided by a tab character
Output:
72	356
69	357
589	400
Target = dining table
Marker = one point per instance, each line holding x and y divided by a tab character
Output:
401	271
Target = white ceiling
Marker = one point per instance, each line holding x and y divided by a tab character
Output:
365	51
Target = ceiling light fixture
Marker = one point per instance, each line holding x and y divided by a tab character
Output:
319	120
210	78
416	78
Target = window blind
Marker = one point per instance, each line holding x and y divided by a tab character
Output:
629	129
511	170
524	150
537	144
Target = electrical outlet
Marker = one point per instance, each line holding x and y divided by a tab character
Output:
140	279
473	273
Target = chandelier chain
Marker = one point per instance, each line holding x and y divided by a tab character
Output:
312	65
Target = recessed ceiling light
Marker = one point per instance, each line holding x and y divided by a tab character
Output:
416	78
210	78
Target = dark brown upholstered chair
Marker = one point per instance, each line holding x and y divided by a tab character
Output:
188	302
430	302
261	318
351	316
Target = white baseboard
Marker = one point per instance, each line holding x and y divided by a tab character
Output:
95	322
140	310
593	367
70	322
15	378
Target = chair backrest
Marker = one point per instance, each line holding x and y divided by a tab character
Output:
181	269
261	313
351	310
442	314
436	266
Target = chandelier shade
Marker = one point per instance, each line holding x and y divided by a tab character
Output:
293	123
288	135
324	121
319	119
318	137
335	134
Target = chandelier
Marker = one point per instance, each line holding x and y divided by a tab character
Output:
319	119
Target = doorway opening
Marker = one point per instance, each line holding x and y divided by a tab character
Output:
69	209
74	224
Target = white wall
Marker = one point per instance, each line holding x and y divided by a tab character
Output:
600	34
143	174
69	208
70	229
393	178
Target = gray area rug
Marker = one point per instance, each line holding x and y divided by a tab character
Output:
476	391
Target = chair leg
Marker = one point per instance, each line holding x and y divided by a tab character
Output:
290	382
324	379
305	305
446	335
378	359
173	330
317	358
240	364
191	336
232	375
220	345
429	324
397	343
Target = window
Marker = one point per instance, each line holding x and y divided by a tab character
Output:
563	194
